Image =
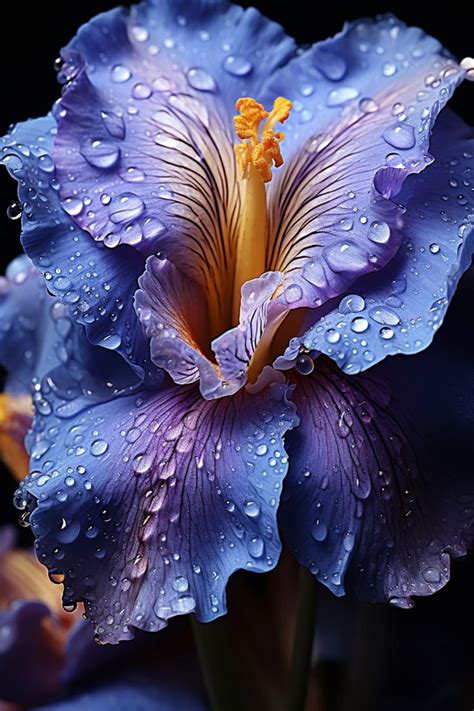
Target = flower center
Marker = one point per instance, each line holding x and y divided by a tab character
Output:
257	153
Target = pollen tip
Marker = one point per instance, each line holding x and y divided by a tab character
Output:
261	151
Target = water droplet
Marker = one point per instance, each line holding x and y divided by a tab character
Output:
386	333
73	206
359	324
139	33
368	106
320	531
293	293
180	584
332	336
352	303
389	69
434	248
385	316
348	541
14	210
201	80
261	450
342	95
56	576
141	91
251	508
256	547
400	135
119	73
379	232
100	154
98	447
114	124
237	66
126	207
304	364
432	575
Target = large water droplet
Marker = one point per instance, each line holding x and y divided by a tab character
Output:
98	447
379	232
201	80
256	547
352	303
73	206
100	154
113	123
320	531
119	73
389	69
342	95
359	324
400	135
126	207
14	210
251	508
237	66
304	364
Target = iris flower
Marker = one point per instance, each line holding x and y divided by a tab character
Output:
235	279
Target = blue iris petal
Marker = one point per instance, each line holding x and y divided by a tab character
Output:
364	104
97	290
400	310
147	504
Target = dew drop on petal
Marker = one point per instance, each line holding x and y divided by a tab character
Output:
379	232
126	207
389	69
73	206
359	324
201	80
400	135
342	95
100	154
237	66
119	73
98	447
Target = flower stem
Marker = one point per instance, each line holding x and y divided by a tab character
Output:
303	641
217	665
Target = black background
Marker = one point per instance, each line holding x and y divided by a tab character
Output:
427	653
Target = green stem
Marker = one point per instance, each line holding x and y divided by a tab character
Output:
303	641
217	664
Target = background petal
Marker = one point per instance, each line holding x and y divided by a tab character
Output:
400	310
31	654
160	500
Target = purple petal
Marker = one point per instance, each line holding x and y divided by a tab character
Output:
363	505
146	133
166	496
400	310
364	105
173	311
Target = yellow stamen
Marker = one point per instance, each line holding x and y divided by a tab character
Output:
255	156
